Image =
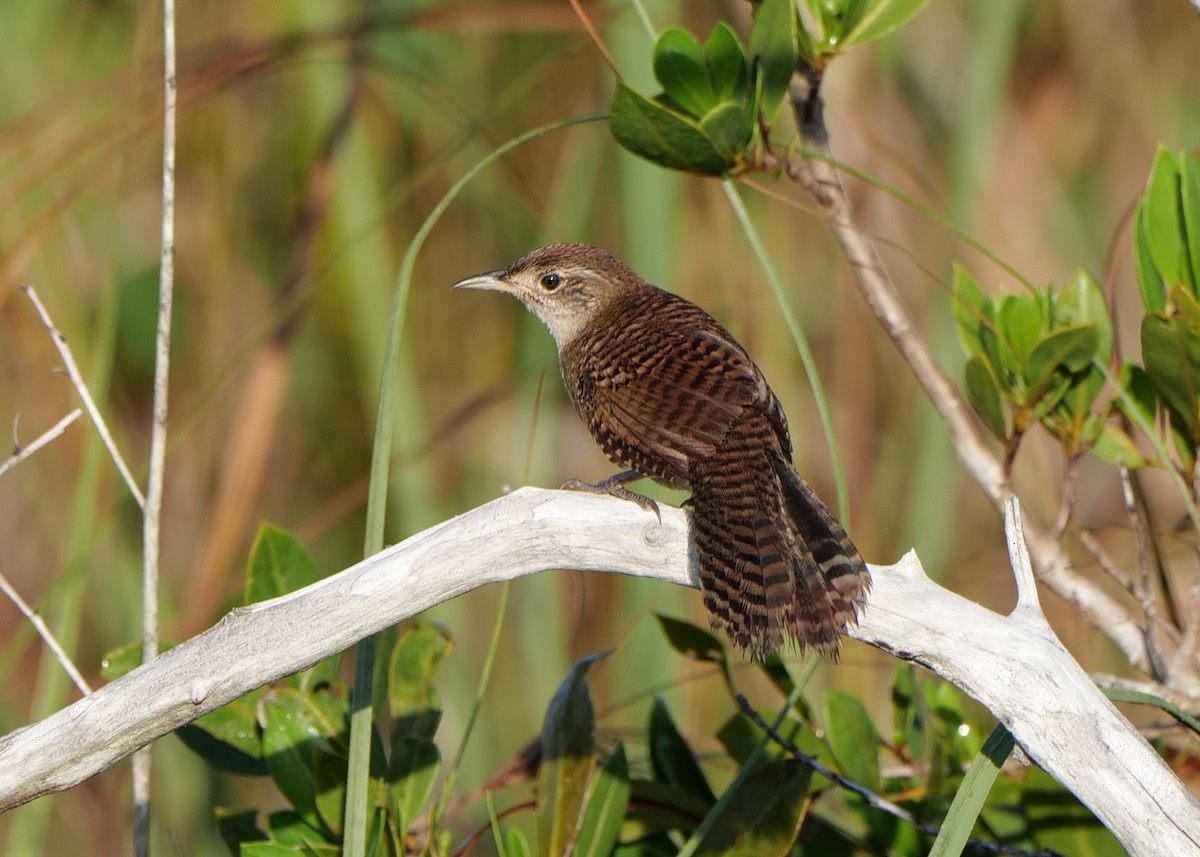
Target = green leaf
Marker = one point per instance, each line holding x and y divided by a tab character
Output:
881	18
968	800
1082	302
296	728
763	817
681	68
289	829
1114	445
124	659
413	698
696	643
266	849
661	135
412	773
1164	223
1171	352
724	126
279	564
1150	283
606	807
1065	351
672	758
740	735
911	726
984	394
657	807
727	67
852	738
1189	185
972	310
1058	821
1020	323
516	844
236	826
568	743
1143	698
773	52
228	738
1140	402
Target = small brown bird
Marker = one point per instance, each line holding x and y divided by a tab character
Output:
668	393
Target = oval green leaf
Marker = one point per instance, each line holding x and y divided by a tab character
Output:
661	135
279	564
568	744
681	68
773	52
413	698
983	393
852	738
727	68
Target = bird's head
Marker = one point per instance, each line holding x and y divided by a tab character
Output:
565	285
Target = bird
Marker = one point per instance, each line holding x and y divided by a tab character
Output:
668	394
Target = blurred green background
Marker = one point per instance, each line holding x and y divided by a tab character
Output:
315	137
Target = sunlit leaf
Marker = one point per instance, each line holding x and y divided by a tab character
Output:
972	310
852	738
762	817
1114	445
724	127
655	132
228	738
681	68
279	564
984	395
881	18
606	805
568	744
773	51
726	61
413	669
1163	224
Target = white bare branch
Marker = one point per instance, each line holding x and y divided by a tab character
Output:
1014	665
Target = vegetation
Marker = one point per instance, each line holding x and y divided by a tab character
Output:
315	141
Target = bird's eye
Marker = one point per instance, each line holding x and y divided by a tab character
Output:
550	282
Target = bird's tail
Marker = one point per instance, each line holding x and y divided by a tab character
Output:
775	565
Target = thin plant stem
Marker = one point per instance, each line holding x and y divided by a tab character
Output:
801	342
357	783
20	453
39	625
89	404
152	518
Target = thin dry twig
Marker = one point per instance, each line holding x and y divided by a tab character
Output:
56	431
152	520
89	404
816	172
45	633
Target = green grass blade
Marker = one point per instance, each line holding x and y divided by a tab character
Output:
968	800
357	789
802	348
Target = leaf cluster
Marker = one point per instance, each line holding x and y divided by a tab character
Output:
1044	356
719	99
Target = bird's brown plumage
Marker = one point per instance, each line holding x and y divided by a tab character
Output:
667	392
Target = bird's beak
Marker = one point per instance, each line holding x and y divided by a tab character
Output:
494	280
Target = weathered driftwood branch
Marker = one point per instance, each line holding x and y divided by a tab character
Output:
1013	664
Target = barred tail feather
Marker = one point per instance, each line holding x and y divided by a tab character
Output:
775	566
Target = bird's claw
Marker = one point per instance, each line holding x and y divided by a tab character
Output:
614	488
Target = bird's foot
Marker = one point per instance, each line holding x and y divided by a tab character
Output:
616	487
